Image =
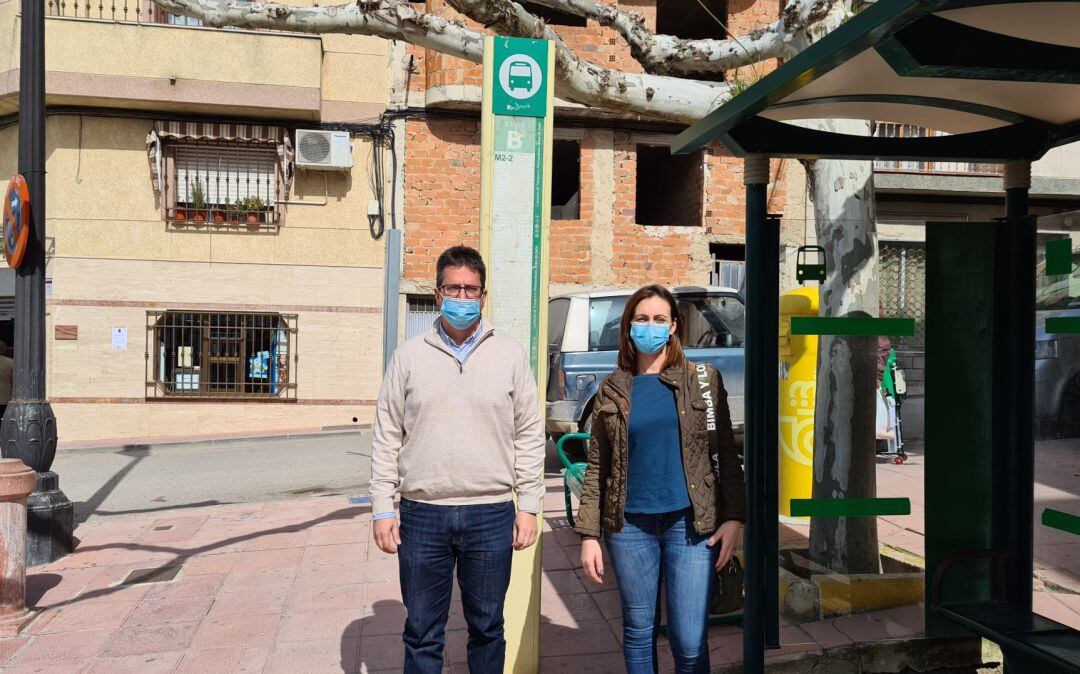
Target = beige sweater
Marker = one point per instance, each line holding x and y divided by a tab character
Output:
458	434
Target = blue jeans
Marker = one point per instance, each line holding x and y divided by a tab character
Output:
650	547
477	539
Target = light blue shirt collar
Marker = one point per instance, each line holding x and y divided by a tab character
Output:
462	351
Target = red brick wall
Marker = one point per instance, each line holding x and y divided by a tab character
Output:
442	174
442	197
571	240
442	191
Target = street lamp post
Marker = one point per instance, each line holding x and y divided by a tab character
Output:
28	430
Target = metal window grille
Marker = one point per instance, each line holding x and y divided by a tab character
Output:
223	183
893	130
198	355
903	287
421	312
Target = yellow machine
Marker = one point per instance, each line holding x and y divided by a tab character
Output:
798	381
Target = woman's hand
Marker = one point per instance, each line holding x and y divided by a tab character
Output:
727	536
592	560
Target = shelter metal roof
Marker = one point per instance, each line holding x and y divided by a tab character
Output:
1002	78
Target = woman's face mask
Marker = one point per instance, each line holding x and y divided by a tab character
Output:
650	338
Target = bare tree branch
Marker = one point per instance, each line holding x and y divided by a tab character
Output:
390	19
672	98
670	55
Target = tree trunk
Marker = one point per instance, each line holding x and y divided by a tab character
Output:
844	425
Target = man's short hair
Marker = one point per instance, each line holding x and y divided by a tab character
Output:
460	256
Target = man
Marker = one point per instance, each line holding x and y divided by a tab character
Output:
457	434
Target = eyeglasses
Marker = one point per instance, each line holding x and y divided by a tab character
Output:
471	292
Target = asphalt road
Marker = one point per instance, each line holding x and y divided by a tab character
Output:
116	481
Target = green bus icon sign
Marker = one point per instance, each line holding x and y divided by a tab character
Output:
518	74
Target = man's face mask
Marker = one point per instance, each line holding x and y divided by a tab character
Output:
460	313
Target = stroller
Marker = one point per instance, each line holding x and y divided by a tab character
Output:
890	438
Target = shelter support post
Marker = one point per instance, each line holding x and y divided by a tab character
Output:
760	615
1013	387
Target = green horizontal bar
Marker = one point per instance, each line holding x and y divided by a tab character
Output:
849	507
853	326
1063	325
1056	519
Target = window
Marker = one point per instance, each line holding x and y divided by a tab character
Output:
221	355
729	265
223	183
566	180
670	188
558	309
712	321
605	315
554	17
692	19
420	314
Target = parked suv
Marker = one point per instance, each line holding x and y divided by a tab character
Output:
583	345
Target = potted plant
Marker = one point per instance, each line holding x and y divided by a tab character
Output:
198	201
254	207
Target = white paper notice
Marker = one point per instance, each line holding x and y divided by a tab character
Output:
119	339
515	229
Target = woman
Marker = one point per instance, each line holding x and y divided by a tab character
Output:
651	489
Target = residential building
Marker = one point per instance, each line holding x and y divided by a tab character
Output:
205	278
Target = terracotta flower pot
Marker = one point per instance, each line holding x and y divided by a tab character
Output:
200	216
180	215
253	218
219	216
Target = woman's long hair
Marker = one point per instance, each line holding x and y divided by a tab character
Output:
628	352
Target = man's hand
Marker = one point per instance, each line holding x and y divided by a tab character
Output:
728	536
524	530
387	535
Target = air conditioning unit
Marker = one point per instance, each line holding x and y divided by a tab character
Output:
323	150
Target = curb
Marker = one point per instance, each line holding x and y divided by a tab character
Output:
113	446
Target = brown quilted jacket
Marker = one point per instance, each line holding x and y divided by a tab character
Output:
603	497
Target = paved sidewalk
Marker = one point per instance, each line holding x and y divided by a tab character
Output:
298	586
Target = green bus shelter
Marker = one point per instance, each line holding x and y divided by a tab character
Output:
1003	80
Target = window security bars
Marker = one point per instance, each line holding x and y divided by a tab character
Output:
222	183
201	355
892	130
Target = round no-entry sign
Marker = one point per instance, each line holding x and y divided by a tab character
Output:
16	221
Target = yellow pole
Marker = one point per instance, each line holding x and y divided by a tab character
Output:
522	611
798	372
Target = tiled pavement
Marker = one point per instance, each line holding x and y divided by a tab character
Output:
298	586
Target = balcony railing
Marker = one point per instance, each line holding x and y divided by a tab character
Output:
892	130
127	11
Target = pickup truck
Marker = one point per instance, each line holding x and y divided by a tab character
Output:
583	344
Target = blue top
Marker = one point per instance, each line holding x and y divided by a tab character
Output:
656	480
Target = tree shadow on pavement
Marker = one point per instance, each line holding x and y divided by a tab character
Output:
181	554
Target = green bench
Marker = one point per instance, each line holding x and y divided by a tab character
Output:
1029	641
573	473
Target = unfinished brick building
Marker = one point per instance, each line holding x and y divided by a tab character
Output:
624	210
